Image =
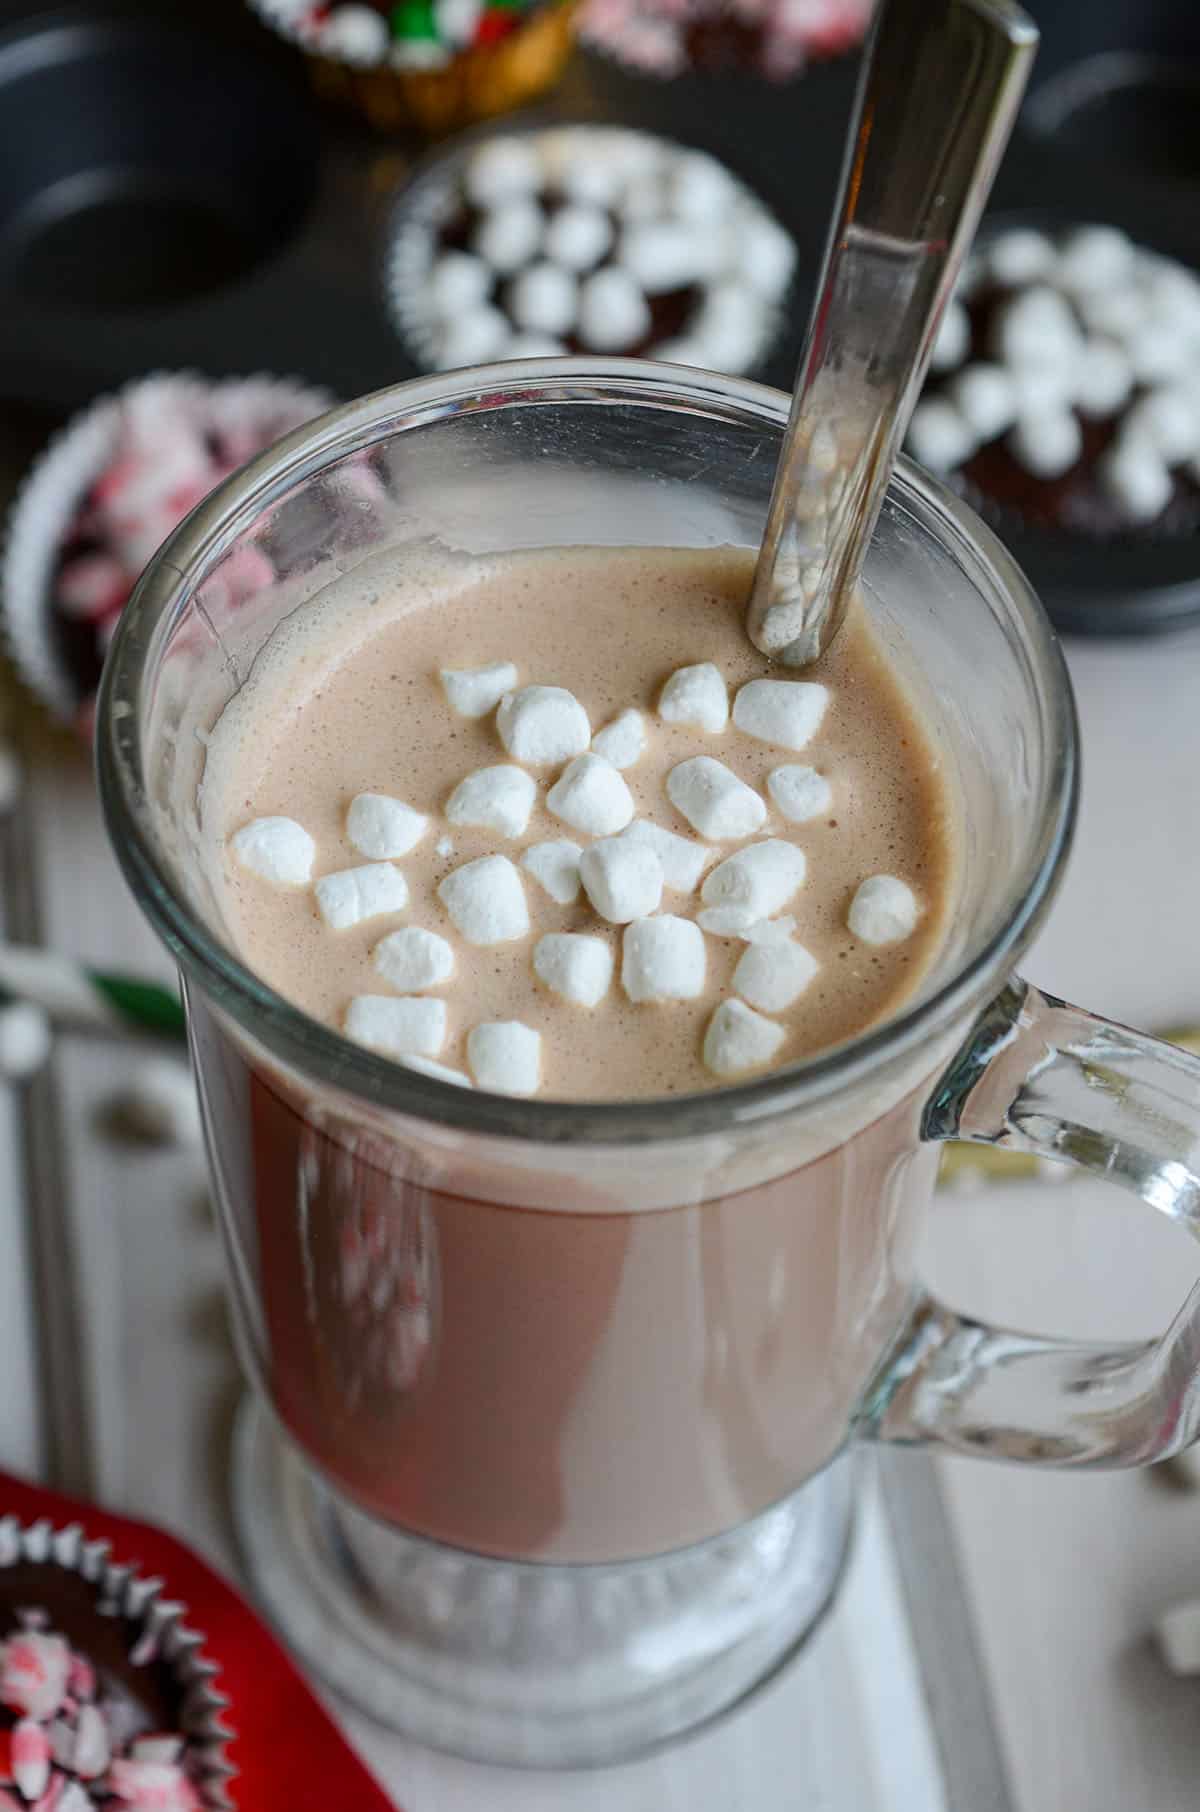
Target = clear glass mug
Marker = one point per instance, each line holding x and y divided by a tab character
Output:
569	1390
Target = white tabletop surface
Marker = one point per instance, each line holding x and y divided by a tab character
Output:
1064	1574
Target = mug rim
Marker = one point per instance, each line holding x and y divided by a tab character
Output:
319	1054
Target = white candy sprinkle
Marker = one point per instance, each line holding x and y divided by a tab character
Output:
713	800
398	1028
1103	378
1167	419
382	827
613	312
696	695
474	691
1036	328
576	966
509	236
953	340
544	299
412	959
486	901
578	237
26	1039
158	1105
555	866
622	878
884	910
1020	256
661	255
499	798
353	894
1046	444
773	975
986	398
442	1071
276	849
470	336
506	1057
1136	478
739	1039
623	741
663	958
800	793
591	796
938	435
683	862
1178	1635
457	281
756	881
500	170
783	711
1092	258
543	725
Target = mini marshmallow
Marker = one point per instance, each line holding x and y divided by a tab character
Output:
353	894
1103	378
471	335
782	711
1094	258
578	237
457	281
731	326
939	436
622	878
442	1071
699	188
662	255
543	725
544	299
584	177
769	931
1178	1635
663	958
682	861
474	691
1036	328
505	1056
739	1039
623	741
800	793
762	253
509	236
26	1039
591	796
498	798
276	849
1020	256
696	695
986	398
356	34
1047	389
1167	419
756	881
1046	444
713	800
773	975
398	1027
953	340
412	959
884	910
613	312
1136	478
1157	353
500	170
555	866
1115	312
576	966
382	827
486	901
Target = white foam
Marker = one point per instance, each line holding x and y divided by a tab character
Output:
773	975
499	798
486	900
591	796
788	712
474	691
623	878
413	959
739	1039
277	850
505	1056
884	910
713	800
543	725
555	866
663	958
696	695
382	827
800	793
575	965
623	741
351	895
398	1027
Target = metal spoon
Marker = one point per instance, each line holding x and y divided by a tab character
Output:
940	87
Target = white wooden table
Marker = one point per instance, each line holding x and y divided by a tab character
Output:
125	1385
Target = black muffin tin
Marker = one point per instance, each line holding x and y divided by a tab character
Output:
171	196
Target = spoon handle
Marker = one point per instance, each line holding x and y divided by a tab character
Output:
940	87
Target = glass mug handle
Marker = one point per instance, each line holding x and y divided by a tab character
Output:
1040	1076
